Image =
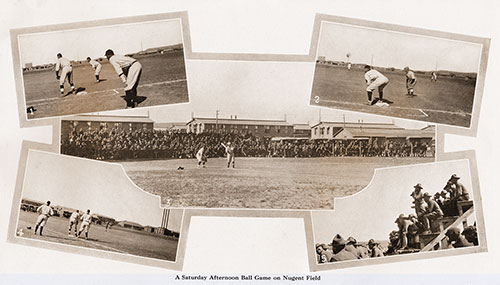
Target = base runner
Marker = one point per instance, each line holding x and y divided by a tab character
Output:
73	221
86	220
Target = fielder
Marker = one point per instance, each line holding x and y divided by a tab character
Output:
45	212
374	80
434	77
411	81
229	153
86	220
73	220
64	65
129	70
201	157
96	66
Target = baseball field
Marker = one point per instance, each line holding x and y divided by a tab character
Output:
446	101
271	183
114	239
163	81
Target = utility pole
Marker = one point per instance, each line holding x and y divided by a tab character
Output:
217	120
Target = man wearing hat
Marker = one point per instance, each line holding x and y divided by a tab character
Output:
470	234
418	199
375	248
456	239
129	70
460	192
403	225
432	212
358	250
339	251
324	255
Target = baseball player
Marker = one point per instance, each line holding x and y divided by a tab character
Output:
129	70
96	66
66	72
411	81
229	153
201	157
434	76
73	220
45	212
374	80
86	220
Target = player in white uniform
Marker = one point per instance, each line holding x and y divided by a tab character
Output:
86	220
45	212
201	157
229	153
374	80
434	76
96	66
129	70
411	81
66	72
73	221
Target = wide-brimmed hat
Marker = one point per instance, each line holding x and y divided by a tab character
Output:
401	216
454	176
351	240
338	241
419	186
320	245
454	231
426	194
371	242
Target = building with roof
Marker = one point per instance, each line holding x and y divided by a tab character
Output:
259	128
95	123
301	131
345	130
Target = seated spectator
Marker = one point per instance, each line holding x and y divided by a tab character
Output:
376	249
455	239
432	212
339	251
470	234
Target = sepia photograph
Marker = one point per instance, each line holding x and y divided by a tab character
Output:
103	211
398	74
298	161
405	210
108	67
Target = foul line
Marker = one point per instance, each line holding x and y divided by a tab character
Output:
397	107
115	90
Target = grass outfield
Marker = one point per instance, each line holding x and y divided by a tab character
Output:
272	183
114	239
163	81
447	101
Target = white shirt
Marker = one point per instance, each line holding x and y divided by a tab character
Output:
121	61
410	75
199	154
373	75
94	63
45	210
62	63
86	218
74	216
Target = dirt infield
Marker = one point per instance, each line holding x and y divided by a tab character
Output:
447	101
271	183
163	81
114	239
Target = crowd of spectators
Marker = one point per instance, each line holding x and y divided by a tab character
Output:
117	144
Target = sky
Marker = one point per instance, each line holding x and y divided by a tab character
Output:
254	90
102	187
371	213
77	44
394	49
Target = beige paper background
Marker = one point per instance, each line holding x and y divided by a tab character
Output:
257	30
